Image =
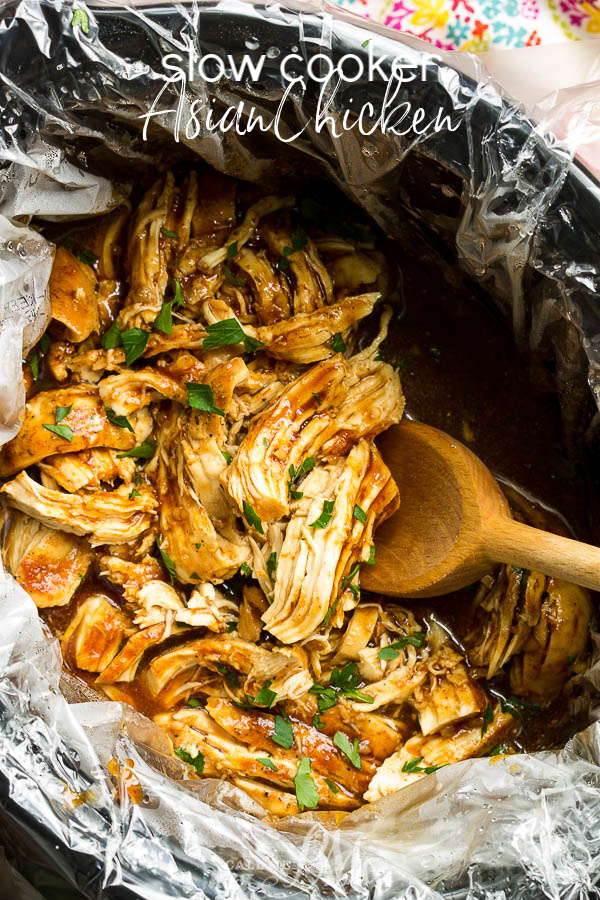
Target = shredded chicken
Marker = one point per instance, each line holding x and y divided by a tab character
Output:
197	487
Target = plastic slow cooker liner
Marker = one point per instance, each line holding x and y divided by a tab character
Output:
70	101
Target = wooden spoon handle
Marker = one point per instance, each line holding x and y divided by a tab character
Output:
512	542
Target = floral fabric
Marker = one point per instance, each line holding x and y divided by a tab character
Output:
478	25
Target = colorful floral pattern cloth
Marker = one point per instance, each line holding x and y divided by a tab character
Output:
478	25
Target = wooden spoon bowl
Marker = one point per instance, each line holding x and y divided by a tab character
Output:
454	523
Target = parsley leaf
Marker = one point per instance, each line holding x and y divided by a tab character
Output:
80	17
272	564
325	517
226	456
283	733
360	514
164	320
515	706
134	344
296	474
232	250
332	786
337	344
62	412
307	794
231	627
500	750
134	493
366	43
317	721
229	331
119	421
342	742
346	680
111	338
571	658
318	399
246	570
194	703
264	761
167	561
62	431
416	639
371	560
252	518
326	697
169	234
177	296
85	256
34	365
144	451
196	761
201	396
350	577
488	718
412	766
265	697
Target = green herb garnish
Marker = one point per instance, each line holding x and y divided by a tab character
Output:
134	344
164	320
85	256
325	517
252	518
62	431
201	396
416	639
272	564
360	514
337	344
283	733
488	718
166	559
80	17
264	761
342	742
170	234
412	766
119	421
227	332
111	338
144	451
196	761
306	791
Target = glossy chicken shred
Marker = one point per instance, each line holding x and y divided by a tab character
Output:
196	488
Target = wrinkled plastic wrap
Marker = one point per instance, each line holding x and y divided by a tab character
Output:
526	826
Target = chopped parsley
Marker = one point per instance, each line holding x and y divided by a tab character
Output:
500	750
134	344
196	761
349	578
166	559
299	241
343	681
86	257
226	456
227	332
337	344
231	627
231	278
177	296
164	320
571	658
194	703
416	639
201	396
325	517
371	560
246	570
360	514
272	564
366	43
296	474
283	733
318	399
342	742
307	794
264	761
134	493
412	766
61	431
111	338
332	786
265	697
137	479
317	721
252	518
170	234
144	451
119	421
488	718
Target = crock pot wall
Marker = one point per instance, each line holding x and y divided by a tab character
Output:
525	212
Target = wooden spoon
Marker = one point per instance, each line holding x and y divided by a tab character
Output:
454	524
